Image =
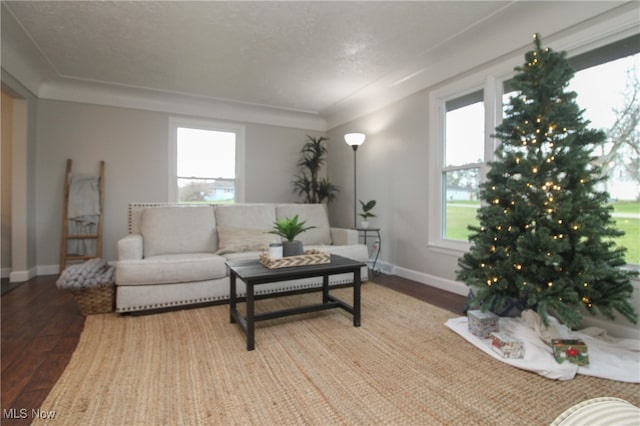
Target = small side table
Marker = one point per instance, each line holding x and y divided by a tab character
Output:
364	233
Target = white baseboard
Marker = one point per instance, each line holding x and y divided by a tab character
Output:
48	270
37	271
384	267
431	280
21	276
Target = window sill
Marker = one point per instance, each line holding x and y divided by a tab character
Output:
449	247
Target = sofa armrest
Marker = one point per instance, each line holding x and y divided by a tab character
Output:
130	247
344	236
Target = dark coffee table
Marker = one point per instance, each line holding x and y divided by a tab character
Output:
253	273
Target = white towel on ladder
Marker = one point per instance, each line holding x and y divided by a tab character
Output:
83	214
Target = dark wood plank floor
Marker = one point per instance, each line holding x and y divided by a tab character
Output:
41	326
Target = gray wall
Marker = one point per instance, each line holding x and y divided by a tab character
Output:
134	145
392	168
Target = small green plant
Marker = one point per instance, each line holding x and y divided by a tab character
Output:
366	209
290	228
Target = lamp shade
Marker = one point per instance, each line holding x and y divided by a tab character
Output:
354	139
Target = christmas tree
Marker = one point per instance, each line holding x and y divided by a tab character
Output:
545	238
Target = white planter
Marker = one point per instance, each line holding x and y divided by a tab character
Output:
364	224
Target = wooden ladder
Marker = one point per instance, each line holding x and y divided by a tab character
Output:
64	256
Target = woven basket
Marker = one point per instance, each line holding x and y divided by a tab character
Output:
95	300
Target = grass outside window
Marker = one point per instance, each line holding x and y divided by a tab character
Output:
625	213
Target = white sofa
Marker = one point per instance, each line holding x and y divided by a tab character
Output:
175	254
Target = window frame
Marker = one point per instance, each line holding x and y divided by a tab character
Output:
180	122
491	87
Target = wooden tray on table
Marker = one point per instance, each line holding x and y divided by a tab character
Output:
310	257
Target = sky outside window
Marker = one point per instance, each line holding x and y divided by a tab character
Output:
600	89
465	135
206	153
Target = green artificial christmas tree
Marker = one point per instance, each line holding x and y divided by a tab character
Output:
545	234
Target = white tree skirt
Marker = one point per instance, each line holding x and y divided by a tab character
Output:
609	358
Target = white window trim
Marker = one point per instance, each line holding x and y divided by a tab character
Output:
437	99
238	129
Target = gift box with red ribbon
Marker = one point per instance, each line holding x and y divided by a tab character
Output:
572	350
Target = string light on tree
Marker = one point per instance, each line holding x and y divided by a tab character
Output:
539	192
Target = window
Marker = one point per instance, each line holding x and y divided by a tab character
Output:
463	157
613	105
205	162
462	121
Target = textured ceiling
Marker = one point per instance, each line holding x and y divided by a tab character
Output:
304	56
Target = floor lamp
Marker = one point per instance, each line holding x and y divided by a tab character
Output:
354	140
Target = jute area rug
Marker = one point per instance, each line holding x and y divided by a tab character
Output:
402	366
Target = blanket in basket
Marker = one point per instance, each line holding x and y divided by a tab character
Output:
92	273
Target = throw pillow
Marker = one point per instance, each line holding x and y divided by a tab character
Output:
236	240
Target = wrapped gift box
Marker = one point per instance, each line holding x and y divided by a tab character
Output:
507	345
481	323
572	350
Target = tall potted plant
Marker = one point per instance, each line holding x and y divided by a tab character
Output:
308	184
289	229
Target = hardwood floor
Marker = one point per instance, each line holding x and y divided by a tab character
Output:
41	326
441	298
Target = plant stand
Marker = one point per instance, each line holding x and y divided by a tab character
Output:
373	260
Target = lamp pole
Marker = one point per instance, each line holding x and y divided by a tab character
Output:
354	140
355	186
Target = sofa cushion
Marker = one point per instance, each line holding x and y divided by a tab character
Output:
178	229
314	215
171	268
245	227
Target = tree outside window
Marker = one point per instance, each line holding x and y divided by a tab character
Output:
613	105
